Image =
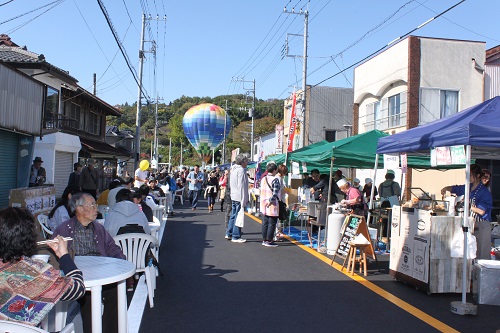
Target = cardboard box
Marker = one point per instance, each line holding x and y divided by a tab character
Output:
35	199
291	197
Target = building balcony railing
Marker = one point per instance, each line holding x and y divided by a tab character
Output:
382	124
59	122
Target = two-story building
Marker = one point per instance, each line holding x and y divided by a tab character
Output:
416	81
68	122
327	115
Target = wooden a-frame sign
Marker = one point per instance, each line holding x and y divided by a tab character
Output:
353	226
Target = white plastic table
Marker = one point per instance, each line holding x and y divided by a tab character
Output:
100	271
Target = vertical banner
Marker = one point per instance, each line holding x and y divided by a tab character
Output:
293	124
279	139
404	163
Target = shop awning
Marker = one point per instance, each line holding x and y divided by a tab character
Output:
99	149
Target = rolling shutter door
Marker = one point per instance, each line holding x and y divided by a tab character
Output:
62	169
8	165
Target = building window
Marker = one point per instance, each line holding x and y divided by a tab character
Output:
394	110
72	112
330	135
386	113
51	119
93	123
436	104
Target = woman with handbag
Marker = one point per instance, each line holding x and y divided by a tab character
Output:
282	211
270	195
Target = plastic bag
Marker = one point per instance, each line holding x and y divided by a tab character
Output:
240	218
457	246
495	233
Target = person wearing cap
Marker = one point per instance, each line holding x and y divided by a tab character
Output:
356	184
38	175
389	187
89	178
354	199
367	189
74	177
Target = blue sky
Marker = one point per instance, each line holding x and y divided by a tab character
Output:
203	45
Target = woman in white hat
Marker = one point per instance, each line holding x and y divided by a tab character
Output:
367	189
354	199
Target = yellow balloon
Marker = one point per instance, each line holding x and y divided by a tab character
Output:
144	165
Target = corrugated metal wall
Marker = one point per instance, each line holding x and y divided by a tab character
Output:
491	81
329	109
21	101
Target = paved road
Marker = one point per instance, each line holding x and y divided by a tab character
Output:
214	285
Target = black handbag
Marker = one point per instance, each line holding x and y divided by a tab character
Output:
282	212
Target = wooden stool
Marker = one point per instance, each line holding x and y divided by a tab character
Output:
351	258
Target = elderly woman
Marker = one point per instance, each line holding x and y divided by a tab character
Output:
480	208
31	287
354	198
270	194
61	211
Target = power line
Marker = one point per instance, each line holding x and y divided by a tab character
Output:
122	49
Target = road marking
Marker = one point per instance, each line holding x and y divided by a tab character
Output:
373	287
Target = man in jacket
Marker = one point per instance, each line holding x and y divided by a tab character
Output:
124	212
195	180
38	175
238	183
91	239
89	178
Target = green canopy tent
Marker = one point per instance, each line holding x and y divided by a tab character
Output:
357	151
280	159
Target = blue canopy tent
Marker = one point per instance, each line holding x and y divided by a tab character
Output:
477	128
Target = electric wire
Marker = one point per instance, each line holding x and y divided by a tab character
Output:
123	51
3	4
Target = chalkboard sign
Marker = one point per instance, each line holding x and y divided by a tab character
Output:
353	226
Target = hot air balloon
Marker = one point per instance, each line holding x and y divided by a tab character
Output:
204	128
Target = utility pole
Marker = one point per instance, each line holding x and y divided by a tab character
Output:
139	103
181	154
170	153
224	142
302	118
251	111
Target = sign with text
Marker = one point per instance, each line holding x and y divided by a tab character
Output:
391	161
279	138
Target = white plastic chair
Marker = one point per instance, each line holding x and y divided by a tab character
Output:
134	247
43	220
179	194
11	327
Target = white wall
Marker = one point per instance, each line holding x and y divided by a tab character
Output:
447	64
47	146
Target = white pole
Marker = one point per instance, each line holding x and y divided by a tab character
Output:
138	113
465	223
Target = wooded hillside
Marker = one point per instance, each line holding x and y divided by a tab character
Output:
267	115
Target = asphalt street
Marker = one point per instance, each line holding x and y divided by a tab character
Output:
213	285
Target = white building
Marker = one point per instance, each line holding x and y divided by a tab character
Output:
416	81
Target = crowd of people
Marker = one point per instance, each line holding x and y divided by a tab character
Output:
131	200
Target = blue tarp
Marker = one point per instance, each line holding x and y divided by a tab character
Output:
478	126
